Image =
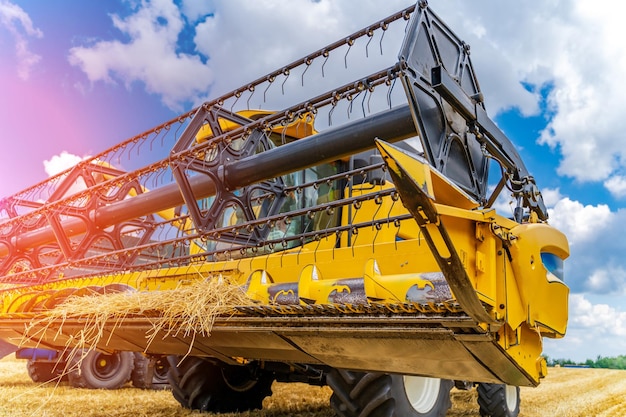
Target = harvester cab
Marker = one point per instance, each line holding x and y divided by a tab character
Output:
358	222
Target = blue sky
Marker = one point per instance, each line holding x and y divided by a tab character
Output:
77	77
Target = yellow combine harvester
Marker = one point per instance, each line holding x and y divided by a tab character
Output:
372	262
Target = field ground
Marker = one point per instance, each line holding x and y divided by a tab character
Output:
565	393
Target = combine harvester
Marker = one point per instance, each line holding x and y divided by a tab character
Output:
356	219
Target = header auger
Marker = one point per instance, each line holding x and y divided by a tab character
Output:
357	220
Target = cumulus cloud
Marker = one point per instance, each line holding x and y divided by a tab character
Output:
59	163
596	264
238	40
573	50
551	196
607	280
581	223
616	186
270	33
62	162
150	56
21	27
590	326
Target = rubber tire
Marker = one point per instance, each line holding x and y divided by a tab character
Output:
139	376
357	394
113	373
201	385
498	400
160	374
42	372
145	378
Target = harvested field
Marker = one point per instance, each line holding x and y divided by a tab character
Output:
565	393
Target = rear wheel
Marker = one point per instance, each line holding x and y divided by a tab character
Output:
498	400
357	394
97	370
201	385
159	374
149	373
140	376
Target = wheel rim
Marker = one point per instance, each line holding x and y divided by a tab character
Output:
511	397
238	378
104	366
422	392
160	371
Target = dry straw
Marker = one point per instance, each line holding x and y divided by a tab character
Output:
190	309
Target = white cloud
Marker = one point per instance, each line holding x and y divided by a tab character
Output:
150	56
236	39
62	162
606	280
21	27
580	223
616	185
245	41
572	48
596	319
593	329
551	196
59	163
595	233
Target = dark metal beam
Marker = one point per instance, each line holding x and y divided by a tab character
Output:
392	125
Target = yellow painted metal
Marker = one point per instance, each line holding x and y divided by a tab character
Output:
543	295
301	127
394	265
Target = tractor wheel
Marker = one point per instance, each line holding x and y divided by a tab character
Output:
98	370
201	385
498	400
159	375
43	372
149	373
140	376
357	394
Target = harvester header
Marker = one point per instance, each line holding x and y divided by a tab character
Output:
356	214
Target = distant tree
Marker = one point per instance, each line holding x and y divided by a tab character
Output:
618	362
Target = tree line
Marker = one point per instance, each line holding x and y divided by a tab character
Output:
618	362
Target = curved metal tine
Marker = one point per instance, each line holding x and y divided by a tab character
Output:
236	95
286	74
325	54
351	99
369	98
370	35
140	142
131	149
177	132
365	96
251	89
270	81
350	42
307	61
384	26
330	113
391	85
283	134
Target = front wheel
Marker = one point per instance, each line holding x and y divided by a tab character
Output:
424	397
498	400
201	385
357	394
